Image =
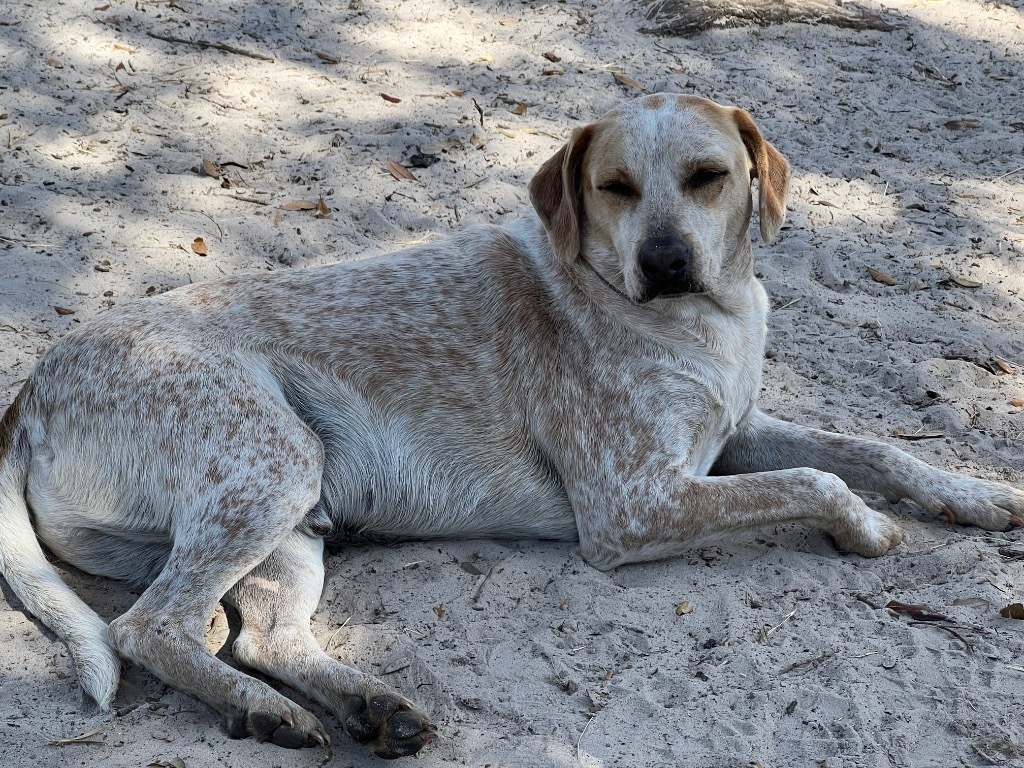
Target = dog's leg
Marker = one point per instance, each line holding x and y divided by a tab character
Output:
671	511
764	443
234	504
275	601
163	632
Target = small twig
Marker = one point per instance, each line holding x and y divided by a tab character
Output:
867	601
810	663
85	738
579	741
1009	173
787	304
481	111
483	581
221	231
245	199
337	632
22	241
953	632
767	632
218	46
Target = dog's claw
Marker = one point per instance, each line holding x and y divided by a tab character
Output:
389	726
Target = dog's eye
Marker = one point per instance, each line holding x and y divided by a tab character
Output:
618	188
706	177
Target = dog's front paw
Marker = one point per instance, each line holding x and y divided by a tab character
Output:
969	501
389	725
858	528
872	534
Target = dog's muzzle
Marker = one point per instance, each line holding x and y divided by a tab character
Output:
665	265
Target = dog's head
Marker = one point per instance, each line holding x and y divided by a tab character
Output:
656	196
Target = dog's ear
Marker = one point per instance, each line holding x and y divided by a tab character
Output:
557	194
772	171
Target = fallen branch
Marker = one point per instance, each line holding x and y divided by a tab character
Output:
686	18
217	46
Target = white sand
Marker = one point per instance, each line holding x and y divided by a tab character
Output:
563	665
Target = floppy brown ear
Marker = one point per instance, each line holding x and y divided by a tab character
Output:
557	194
772	170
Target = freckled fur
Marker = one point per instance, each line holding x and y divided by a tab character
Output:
503	382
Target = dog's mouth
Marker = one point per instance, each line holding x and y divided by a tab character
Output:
679	290
686	288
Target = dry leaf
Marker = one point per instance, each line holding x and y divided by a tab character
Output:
917	435
509	134
1017	403
507	22
211	169
959	125
627	81
684	607
471	569
1002	365
322	211
552	56
456	93
119	47
102	7
400	172
519	109
389	98
299	205
916	612
64	311
551	72
880	277
55	63
199	246
277	218
326	57
486	58
476	141
120	67
1013	611
440	611
964	282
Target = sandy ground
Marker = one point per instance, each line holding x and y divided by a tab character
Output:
904	147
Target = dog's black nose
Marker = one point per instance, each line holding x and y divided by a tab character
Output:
666	267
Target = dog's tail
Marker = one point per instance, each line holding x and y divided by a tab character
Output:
33	579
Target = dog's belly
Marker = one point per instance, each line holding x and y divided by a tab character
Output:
394	489
401	468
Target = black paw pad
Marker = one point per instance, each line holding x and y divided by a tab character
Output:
393	749
263	725
383	707
404	725
291	738
358	725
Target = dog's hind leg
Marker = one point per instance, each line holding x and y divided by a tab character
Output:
275	601
259	489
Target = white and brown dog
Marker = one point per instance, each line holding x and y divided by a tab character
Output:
589	373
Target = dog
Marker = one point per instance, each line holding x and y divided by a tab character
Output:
588	373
